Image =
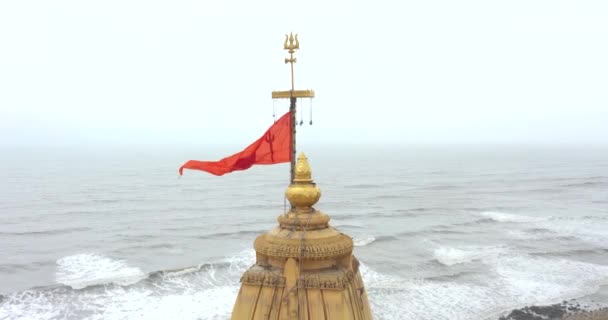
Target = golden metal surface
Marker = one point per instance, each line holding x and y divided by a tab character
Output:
303	193
316	220
293	94
291	48
303	174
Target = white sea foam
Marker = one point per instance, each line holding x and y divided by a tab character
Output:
514	280
450	256
181	272
188	295
508	217
544	280
363	240
517	281
392	297
121	303
83	270
210	303
590	230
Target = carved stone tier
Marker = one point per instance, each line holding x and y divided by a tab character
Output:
287	243
304	268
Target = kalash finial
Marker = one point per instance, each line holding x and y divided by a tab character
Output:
303	173
303	192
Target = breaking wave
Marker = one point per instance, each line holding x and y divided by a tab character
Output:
363	241
450	256
508	217
87	269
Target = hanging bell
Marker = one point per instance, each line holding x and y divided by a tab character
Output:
310	123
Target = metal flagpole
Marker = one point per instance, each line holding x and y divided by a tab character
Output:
292	44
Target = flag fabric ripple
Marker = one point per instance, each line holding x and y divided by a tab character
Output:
273	147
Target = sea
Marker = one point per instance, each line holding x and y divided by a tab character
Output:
442	232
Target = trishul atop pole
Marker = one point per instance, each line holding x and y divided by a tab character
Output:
291	45
291	48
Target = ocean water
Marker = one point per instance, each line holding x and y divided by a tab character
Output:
457	232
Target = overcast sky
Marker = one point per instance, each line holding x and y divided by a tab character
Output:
201	72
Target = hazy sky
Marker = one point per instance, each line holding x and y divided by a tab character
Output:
201	72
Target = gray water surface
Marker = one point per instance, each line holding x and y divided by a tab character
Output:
442	232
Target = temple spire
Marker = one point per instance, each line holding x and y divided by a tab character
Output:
305	268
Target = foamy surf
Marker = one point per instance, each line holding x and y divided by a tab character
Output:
87	269
363	240
515	281
450	256
508	217
544	280
209	291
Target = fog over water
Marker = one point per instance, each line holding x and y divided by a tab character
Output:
186	72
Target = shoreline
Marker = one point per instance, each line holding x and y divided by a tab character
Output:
589	307
567	310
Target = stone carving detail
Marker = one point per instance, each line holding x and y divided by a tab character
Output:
337	246
309	221
336	281
264	278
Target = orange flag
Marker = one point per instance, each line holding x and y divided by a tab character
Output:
273	147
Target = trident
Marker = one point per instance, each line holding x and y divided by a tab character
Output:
291	48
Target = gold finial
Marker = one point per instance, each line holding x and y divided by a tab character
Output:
302	174
303	193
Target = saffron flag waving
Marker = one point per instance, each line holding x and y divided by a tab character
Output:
273	147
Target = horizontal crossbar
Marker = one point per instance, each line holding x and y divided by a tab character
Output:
293	93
